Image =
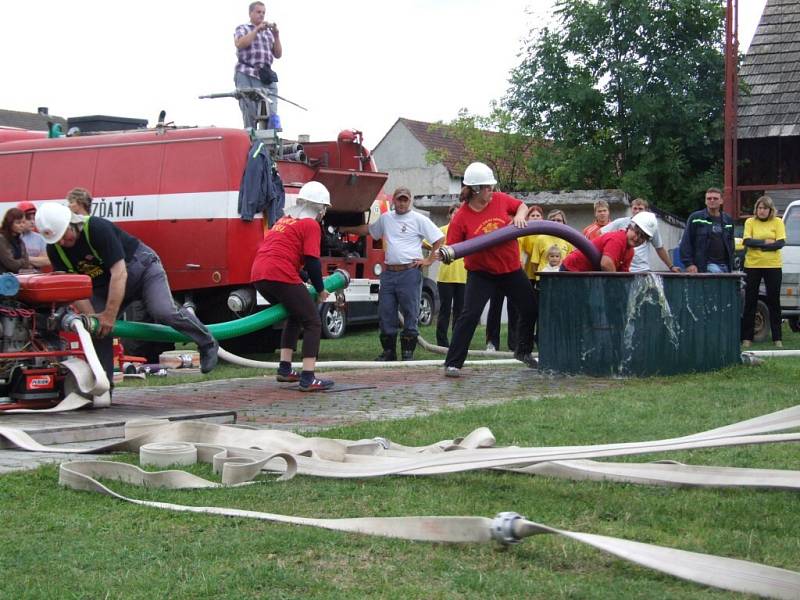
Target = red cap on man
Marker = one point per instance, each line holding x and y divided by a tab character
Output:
26	206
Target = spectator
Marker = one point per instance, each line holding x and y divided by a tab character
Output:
641	254
764	236
601	218
13	255
544	242
80	201
616	247
451	281
403	232
482	211
554	259
707	242
34	242
290	245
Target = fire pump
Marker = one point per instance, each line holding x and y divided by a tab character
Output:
39	365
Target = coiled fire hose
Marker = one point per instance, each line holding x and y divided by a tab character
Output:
241	454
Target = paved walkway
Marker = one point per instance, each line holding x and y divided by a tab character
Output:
357	397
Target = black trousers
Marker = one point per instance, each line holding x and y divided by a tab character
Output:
303	312
480	288
772	282
494	317
451	301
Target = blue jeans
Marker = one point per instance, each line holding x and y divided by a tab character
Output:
400	290
249	107
717	268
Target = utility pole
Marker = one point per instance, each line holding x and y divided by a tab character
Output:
730	194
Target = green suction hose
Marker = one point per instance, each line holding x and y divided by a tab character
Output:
223	331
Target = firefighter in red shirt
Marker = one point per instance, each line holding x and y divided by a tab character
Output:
616	247
292	244
497	268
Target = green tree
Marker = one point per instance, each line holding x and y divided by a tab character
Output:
631	94
499	142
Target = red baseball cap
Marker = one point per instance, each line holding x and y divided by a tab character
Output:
26	206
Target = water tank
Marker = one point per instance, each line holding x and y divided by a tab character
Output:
638	324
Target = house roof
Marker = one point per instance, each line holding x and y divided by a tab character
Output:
771	69
26	120
437	137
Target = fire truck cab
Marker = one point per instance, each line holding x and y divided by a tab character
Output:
177	189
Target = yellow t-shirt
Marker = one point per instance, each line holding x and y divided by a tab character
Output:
455	271
526	245
756	258
543	245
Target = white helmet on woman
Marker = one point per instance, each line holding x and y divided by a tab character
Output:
646	221
315	192
313	199
52	220
478	173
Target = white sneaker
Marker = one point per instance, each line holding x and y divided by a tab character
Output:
490	347
746	343
452	372
779	344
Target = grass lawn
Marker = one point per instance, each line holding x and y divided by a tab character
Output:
56	543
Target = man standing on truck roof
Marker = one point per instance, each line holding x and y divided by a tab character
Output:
403	230
122	269
258	44
707	242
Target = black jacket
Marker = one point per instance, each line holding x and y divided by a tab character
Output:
697	236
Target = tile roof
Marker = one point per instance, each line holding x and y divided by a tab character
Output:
26	120
437	137
771	69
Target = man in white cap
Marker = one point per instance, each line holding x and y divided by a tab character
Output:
122	269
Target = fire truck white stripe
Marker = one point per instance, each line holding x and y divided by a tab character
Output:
164	207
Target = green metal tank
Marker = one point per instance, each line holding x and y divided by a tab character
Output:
638	324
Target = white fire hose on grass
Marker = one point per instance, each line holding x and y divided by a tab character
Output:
242	454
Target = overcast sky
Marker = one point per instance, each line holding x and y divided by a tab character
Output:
353	64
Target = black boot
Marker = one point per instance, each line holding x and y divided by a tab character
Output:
407	345
389	343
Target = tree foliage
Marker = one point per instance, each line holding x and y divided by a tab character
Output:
630	92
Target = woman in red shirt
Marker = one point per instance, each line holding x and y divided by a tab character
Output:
497	268
293	243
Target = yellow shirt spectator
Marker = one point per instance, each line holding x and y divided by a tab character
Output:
455	271
526	249
771	229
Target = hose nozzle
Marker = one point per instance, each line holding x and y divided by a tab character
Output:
446	254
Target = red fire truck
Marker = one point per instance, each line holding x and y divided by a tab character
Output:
177	190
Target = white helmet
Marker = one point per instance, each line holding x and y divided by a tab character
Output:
313	199
478	173
52	220
315	192
646	221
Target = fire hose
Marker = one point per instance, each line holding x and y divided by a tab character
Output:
241	454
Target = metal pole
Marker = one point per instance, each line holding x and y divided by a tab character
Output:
730	193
